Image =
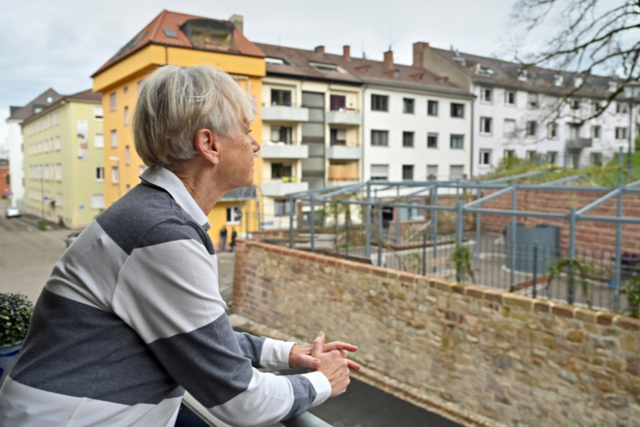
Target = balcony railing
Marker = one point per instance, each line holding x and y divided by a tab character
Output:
284	113
344	117
284	151
283	187
344	152
578	143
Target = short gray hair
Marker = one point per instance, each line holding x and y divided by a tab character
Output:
175	102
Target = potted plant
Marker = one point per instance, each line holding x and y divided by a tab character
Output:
15	314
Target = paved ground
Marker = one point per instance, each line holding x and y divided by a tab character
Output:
27	255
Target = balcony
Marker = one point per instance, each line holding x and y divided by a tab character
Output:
282	188
344	117
284	151
343	152
284	113
578	143
343	172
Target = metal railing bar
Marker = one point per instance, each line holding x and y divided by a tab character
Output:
598	202
490	197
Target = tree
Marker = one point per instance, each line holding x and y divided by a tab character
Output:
588	37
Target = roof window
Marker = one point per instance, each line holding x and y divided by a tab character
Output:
331	68
460	60
578	81
208	32
275	61
483	71
170	33
522	75
558	80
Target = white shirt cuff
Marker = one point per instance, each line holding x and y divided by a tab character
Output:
322	386
275	354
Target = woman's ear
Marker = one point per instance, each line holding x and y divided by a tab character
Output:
207	144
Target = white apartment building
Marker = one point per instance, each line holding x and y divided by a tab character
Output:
312	120
417	125
16	152
521	112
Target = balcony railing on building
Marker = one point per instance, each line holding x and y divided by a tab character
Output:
280	187
343	172
344	116
578	143
284	112
281	150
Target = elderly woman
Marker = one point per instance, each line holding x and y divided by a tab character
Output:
132	314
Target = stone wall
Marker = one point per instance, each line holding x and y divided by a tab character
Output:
589	235
519	361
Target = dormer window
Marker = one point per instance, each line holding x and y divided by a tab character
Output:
483	71
522	75
208	32
275	61
330	68
578	82
558	80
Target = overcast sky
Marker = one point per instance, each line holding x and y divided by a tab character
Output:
60	44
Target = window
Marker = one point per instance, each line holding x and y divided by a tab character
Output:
337	102
98	140
380	138
597	107
275	61
127	188
112	99
127	155
380	172
97	113
234	214
574	131
509	154
532	128
282	207
114	139
596	159
486	95
532	100
338	137
552	157
407	139
432	140
575	104
59	199
46	172
126	116
407	172
432	172
457	142
485	125
57	143
100	173
510	97
622	108
558	80
408	105
457	110
59	172
532	156
432	108
330	68
281	134
115	175
621	133
595	132
281	97
97	201
379	103
281	170
552	130
126	90
456	172
485	157
509	128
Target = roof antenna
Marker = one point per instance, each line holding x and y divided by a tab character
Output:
279	44
364	55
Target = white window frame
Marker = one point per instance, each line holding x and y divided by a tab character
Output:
97	201
506	98
115	175
481	157
99	174
98	140
234	212
483	92
483	125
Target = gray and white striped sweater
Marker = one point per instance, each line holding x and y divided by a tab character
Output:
132	316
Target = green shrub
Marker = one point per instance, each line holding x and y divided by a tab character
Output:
15	315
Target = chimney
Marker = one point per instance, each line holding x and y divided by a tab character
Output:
418	54
388	59
238	22
318	49
346	52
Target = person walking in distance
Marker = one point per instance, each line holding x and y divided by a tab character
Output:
223	238
234	234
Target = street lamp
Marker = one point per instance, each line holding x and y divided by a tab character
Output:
117	160
631	91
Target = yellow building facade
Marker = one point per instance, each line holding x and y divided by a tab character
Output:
119	82
64	175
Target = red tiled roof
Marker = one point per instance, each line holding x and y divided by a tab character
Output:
154	33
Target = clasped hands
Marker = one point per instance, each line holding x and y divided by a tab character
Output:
330	359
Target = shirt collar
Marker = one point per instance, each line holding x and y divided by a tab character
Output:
168	181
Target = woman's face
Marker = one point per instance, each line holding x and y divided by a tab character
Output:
236	159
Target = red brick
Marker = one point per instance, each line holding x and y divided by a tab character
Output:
605	319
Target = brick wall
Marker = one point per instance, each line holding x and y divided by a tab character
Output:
506	357
589	235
